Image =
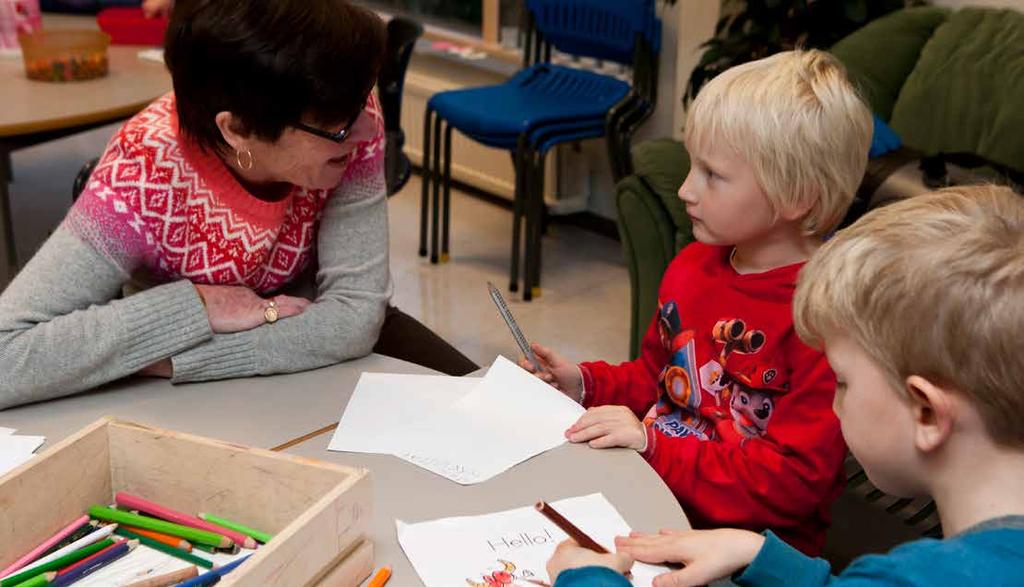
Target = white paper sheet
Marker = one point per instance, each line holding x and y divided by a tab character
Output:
519	542
511	416
15	450
384	405
465	429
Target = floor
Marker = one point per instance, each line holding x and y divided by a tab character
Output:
582	311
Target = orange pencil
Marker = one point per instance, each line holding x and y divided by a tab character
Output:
167	539
380	578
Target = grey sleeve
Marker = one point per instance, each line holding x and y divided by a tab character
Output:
353	288
61	331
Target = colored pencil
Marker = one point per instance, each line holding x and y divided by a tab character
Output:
147	507
211	577
55	564
167	579
79	544
94	563
168	550
139	521
380	578
174	541
44	546
81	532
569	528
221	522
206	548
39	580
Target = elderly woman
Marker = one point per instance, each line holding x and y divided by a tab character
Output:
266	160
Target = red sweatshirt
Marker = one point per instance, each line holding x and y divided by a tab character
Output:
738	409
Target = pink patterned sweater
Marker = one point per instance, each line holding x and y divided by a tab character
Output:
160	204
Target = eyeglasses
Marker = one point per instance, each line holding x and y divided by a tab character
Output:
337	137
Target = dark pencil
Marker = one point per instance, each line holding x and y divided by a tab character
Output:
570	528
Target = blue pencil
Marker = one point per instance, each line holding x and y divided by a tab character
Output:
211	577
95	564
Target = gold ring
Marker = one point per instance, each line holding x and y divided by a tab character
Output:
270	313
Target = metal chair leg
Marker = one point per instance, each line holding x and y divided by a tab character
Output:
425	188
517	212
529	202
447	202
539	220
436	181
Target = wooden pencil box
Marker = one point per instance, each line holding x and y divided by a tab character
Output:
318	512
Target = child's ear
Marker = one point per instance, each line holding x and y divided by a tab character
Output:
794	213
933	412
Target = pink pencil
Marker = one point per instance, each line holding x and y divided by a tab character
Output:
37	551
147	507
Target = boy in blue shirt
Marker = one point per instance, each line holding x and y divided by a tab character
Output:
919	307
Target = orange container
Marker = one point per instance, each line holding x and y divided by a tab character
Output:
65	55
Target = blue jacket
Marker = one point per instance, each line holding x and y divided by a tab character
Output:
991	554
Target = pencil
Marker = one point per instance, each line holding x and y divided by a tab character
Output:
93	563
147	507
172	541
76	535
167	579
380	578
95	536
169	550
39	550
42	580
58	563
570	528
211	577
221	522
140	521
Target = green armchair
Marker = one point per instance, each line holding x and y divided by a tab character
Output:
945	81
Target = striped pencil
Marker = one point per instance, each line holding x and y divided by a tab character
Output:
188	533
93	563
168	579
49	542
55	564
80	533
147	507
91	538
173	541
169	550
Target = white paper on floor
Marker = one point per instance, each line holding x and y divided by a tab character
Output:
464	429
15	450
513	544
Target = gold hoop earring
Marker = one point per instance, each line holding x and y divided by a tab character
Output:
238	159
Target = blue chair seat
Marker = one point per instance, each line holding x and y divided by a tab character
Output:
542	94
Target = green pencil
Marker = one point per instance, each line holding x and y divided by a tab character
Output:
260	536
145	522
57	563
165	548
205	548
39	580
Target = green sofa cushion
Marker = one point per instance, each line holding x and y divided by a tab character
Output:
967	92
881	55
663	164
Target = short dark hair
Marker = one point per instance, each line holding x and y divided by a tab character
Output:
270	62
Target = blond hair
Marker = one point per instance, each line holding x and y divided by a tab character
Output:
931	286
798	121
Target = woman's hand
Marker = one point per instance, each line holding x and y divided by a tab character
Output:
157	8
570	555
234	308
164	369
556	371
707	554
608	427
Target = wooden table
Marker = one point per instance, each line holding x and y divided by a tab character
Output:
294	413
35	112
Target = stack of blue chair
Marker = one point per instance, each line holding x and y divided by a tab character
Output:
542	106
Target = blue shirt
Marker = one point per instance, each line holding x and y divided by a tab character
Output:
990	553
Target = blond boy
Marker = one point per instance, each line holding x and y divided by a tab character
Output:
920	309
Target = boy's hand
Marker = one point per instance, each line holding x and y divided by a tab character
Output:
607	427
556	371
707	554
570	555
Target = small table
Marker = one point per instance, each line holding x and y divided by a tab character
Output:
411	494
35	112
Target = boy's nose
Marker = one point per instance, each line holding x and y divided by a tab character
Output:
685	193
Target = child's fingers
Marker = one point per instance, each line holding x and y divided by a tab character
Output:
696	574
547	356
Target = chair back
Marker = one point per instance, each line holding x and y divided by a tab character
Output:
402	36
602	29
